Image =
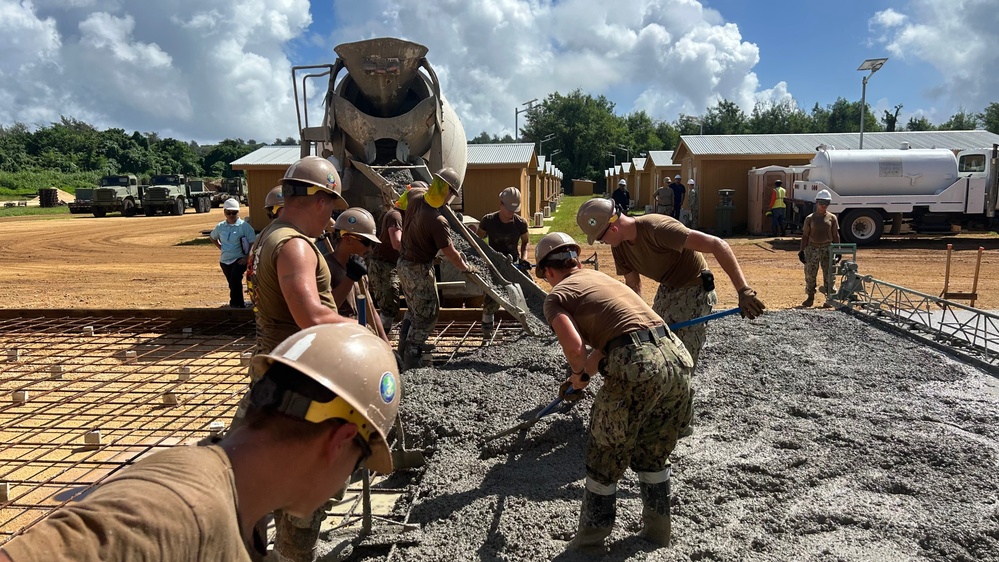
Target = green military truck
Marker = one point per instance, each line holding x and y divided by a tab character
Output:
231	188
83	201
117	193
174	193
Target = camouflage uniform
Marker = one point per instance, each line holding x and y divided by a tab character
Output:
816	257
639	413
384	286
686	303
422	303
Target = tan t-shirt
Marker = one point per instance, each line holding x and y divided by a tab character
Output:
658	253
177	505
602	307
664	196
384	251
424	230
274	320
820	230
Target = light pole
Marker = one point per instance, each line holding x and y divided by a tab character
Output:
516	115
611	155
873	65
626	150
548	137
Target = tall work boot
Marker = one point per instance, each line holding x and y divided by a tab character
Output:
411	356
810	300
596	519
654	491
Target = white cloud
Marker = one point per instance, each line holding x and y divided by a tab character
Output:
211	69
191	69
957	38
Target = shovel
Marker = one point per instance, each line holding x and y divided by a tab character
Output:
402	458
527	424
515	295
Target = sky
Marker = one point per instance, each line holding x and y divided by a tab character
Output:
207	70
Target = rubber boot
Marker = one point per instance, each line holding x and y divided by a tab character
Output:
411	356
596	519
656	523
809	301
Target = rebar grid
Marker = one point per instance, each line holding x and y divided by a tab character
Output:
961	328
77	383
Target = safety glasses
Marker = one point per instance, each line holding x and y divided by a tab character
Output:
367	243
231	213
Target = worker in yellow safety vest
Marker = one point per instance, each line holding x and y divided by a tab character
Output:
777	208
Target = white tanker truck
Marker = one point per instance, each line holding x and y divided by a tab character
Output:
931	190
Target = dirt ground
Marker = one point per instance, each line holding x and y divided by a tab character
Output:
139	262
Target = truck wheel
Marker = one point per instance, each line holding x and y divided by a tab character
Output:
100	212
150	210
128	208
204	205
178	207
863	227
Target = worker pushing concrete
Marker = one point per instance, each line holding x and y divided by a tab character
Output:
505	230
382	263
645	401
308	427
664	250
425	231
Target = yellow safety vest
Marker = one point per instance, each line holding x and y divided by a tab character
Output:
779	199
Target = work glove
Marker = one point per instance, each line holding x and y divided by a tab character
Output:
837	258
749	305
524	265
801	256
356	268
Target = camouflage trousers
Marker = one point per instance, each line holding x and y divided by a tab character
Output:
644	404
384	286
686	303
816	257
423	306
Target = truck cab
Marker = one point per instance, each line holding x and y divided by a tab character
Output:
119	192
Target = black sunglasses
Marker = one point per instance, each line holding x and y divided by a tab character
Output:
232	212
367	243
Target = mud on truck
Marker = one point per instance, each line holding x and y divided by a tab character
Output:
174	193
117	193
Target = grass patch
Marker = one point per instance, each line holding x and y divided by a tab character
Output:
564	219
47	212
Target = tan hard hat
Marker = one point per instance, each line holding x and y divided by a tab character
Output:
594	216
357	366
510	199
274	199
358	222
551	243
315	172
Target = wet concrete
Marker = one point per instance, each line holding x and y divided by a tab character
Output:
817	437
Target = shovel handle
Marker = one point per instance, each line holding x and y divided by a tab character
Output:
705	318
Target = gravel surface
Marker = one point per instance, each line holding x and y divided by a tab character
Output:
817	437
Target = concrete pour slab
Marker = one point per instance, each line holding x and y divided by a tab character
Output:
817	437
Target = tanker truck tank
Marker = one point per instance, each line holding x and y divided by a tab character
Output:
884	172
385	121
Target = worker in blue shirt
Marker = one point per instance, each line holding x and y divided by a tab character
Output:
233	236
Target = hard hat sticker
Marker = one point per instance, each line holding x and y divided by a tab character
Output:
352	220
592	221
387	387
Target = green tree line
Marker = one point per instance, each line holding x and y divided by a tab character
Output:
70	154
587	136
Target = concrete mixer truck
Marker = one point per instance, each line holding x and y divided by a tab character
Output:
383	123
930	190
